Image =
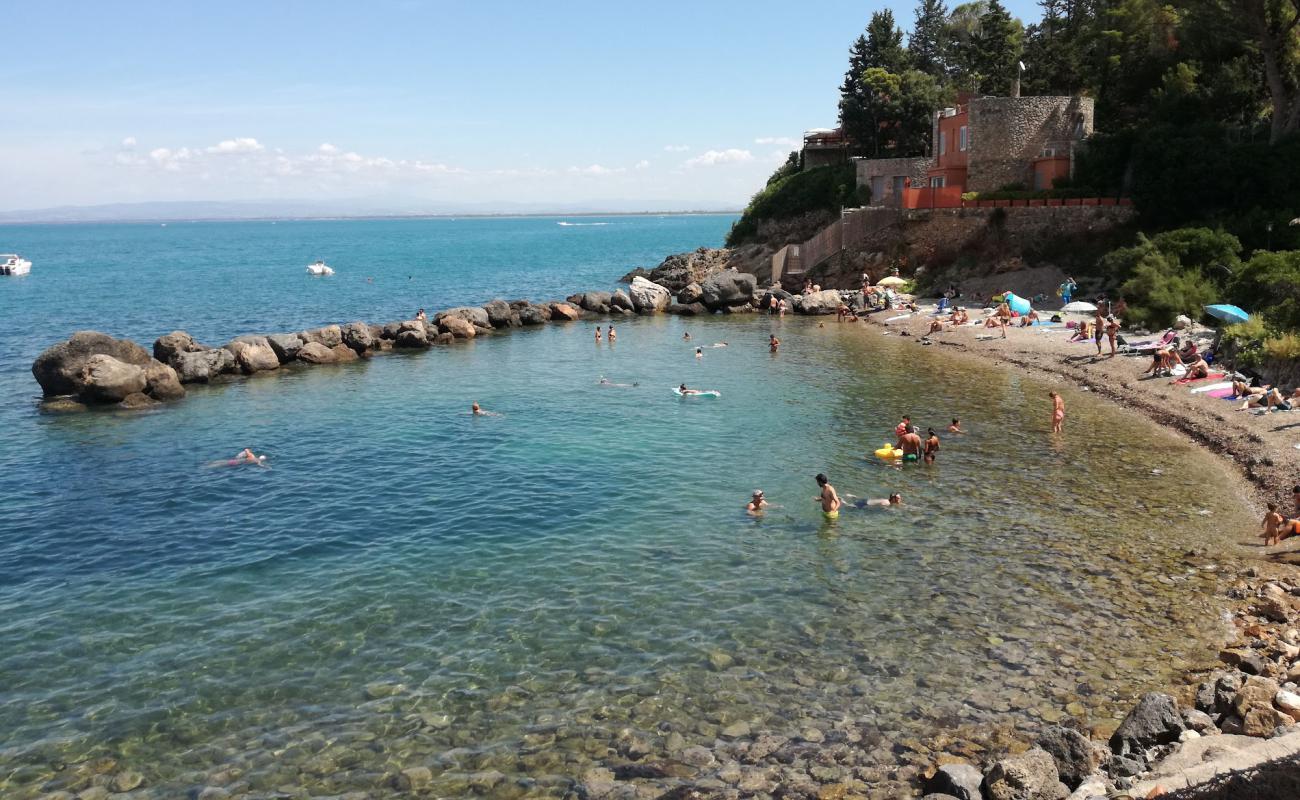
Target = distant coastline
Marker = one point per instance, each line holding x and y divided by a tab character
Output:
41	217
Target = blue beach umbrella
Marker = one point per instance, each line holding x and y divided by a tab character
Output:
1229	314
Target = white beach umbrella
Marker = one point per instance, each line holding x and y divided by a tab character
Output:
1079	307
892	280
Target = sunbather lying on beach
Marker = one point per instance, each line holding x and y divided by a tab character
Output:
1267	399
1029	319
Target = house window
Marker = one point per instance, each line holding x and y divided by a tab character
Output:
937	182
877	189
943	142
963	139
1049	152
900	183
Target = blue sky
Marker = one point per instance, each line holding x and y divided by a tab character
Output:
671	104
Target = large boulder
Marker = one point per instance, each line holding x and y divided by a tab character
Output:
202	366
1075	754
60	368
162	382
330	335
501	315
168	346
459	327
1153	721
680	269
1028	776
412	334
357	337
253	354
533	315
597	302
961	781
691	293
343	353
285	345
316	353
647	297
471	314
688	309
824	302
105	379
619	299
563	312
728	288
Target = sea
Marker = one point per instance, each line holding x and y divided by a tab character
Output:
513	600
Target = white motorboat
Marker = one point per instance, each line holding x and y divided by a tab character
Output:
11	264
319	268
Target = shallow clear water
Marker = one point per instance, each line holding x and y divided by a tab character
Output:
410	585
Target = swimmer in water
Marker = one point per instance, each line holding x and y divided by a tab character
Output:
955	427
246	456
479	412
895	499
911	444
720	344
598	333
773	343
757	504
684	390
830	501
686	337
931	446
699	352
611	333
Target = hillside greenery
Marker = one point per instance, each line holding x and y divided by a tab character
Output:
790	193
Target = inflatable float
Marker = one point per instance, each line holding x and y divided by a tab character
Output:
889	451
696	392
1017	304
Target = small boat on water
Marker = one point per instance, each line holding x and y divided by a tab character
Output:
12	264
319	268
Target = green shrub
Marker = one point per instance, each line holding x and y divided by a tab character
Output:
1159	288
1269	286
790	194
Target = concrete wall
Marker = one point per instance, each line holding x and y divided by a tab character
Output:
1008	133
888	169
824	156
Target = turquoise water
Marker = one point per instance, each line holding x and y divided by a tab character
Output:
413	586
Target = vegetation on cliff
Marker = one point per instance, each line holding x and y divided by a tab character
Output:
791	193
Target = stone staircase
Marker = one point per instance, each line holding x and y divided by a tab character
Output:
851	231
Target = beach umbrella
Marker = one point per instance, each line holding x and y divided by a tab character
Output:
1079	307
892	280
1229	314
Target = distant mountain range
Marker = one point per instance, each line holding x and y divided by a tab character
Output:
314	209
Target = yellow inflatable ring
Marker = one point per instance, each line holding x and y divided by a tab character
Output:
888	451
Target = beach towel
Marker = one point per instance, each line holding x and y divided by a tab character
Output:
1213	387
1221	394
1213	376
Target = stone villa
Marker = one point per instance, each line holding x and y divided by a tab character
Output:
984	144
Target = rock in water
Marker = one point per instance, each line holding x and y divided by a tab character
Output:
689	310
285	345
344	353
357	337
961	781
317	353
680	269
620	300
500	314
532	315
471	314
564	312
59	369
647	297
203	365
1155	720
104	379
1028	776
1075	755
824	302
459	327
691	293
253	354
412	333
167	347
162	382
597	302
330	335
728	288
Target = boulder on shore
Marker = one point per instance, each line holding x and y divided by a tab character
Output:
105	379
824	302
1028	776
728	288
343	353
961	781
162	382
1075	754
60	368
1154	720
647	297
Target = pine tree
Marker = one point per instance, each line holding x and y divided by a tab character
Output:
885	43
996	49
851	88
927	46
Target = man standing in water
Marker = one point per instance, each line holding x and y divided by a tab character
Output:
1058	411
773	343
911	444
931	446
828	498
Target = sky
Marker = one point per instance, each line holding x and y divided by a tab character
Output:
415	104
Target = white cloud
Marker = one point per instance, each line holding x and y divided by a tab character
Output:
713	158
243	144
596	170
171	160
782	140
327	148
128	143
642	164
676	148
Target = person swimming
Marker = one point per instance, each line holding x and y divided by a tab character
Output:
757	504
699	352
955	427
830	501
246	456
479	412
598	333
895	499
612	335
720	344
686	337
